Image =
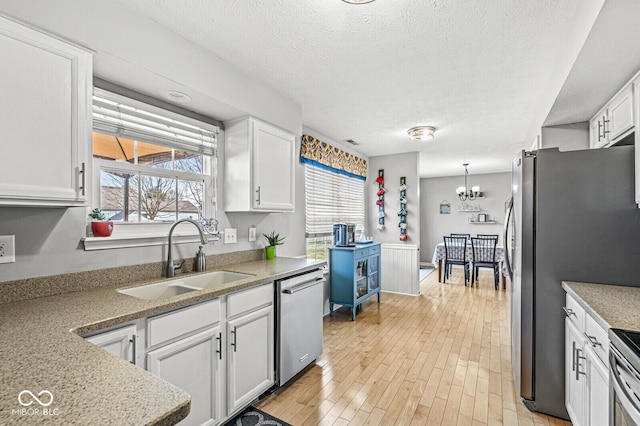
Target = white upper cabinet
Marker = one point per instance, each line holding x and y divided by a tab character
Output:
45	118
259	167
614	121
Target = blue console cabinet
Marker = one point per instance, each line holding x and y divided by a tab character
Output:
354	275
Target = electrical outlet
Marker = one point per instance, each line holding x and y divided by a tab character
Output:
252	233
230	235
7	249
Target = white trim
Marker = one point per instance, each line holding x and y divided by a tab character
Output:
140	240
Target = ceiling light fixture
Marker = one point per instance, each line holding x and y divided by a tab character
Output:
421	133
357	1
468	194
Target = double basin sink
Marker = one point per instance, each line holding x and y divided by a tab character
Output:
167	289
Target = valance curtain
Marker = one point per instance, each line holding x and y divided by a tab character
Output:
321	154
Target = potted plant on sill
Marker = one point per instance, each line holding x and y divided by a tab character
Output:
273	240
100	226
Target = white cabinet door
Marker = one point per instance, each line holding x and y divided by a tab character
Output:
597	391
273	162
259	167
250	357
120	342
636	109
620	115
597	136
44	116
193	364
574	367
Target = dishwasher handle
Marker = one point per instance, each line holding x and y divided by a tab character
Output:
302	286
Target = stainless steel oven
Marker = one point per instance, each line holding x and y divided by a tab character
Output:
624	378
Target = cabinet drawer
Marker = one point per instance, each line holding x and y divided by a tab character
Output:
175	324
574	312
249	300
374	250
360	253
598	339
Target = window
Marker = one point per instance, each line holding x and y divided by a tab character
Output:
151	165
330	198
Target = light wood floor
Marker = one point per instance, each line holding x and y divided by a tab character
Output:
442	358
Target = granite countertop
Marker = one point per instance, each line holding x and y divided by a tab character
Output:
612	306
41	349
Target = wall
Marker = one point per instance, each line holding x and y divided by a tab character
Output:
395	166
496	188
566	137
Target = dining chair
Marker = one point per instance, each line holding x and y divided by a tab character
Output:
484	256
493	236
455	249
467	236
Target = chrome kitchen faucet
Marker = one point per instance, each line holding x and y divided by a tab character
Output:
171	267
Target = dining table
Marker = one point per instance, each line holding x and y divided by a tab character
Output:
439	256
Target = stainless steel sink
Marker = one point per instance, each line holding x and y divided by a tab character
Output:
167	289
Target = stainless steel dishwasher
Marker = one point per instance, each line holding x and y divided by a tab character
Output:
299	328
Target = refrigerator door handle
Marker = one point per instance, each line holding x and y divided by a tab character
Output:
507	253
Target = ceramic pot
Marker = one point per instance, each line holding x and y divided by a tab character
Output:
270	252
102	229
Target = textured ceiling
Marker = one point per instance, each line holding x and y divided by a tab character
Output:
475	70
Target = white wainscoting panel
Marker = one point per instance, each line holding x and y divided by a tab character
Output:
400	264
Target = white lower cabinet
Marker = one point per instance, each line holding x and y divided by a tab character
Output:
250	360
193	364
586	370
120	342
574	374
221	351
597	392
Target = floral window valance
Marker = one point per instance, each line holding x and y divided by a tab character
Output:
321	154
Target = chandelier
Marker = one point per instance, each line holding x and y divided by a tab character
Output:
464	192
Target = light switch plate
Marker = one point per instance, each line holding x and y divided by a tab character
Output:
230	235
7	249
252	233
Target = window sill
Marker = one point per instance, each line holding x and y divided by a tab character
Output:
140	240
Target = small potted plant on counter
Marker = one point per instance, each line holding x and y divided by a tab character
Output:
100	226
273	240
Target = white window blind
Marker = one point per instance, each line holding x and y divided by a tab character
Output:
120	116
330	198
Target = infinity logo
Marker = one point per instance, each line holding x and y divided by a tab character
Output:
42	392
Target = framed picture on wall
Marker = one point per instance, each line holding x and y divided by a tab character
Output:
482	217
445	207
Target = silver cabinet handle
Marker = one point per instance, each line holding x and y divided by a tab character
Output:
82	171
592	340
133	349
604	126
568	311
600	136
258	194
578	358
235	346
573	356
219	350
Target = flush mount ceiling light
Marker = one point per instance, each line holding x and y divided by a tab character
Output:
357	1
421	133
175	96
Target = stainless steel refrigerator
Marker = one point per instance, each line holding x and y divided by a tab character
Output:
573	217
